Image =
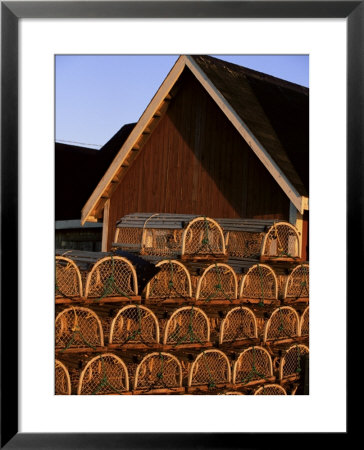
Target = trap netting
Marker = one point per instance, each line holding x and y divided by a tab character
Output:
165	242
218	281
173	281
62	384
211	367
270	389
291	363
105	374
112	276
282	240
297	285
129	238
158	371
239	324
187	325
253	364
282	324
304	322
68	278
243	244
203	236
259	282
78	327
134	324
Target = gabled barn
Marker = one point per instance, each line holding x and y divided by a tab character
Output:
218	140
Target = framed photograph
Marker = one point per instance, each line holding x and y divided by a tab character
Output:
30	48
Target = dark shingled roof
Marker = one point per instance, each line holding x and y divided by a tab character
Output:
78	170
276	112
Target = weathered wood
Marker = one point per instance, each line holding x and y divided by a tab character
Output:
80	350
77	301
206	388
159	391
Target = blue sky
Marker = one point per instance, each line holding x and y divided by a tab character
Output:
97	94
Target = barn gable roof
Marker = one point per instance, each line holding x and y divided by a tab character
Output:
276	129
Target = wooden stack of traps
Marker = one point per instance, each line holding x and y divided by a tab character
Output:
226	314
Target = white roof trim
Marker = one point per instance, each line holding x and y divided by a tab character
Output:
300	202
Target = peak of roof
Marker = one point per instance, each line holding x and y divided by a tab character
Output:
269	113
275	111
235	68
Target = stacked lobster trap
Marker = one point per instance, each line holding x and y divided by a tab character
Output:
226	310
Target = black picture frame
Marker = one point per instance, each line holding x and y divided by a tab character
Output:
11	12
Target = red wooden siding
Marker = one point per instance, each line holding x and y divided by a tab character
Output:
195	162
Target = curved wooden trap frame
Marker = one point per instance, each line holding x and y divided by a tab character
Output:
158	371
297	285
78	328
173	281
112	276
239	324
253	366
203	236
270	389
290	365
283	325
218	281
62	379
187	325
210	368
282	241
304	322
259	282
68	278
104	374
134	324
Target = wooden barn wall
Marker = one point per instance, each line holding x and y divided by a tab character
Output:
195	162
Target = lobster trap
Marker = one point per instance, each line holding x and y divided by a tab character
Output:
112	277
282	326
173	281
210	370
62	379
128	238
297	285
187	326
304	323
260	282
218	282
78	328
105	374
203	237
134	324
270	389
239	325
290	367
158	373
253	366
281	241
169	235
244	237
68	279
